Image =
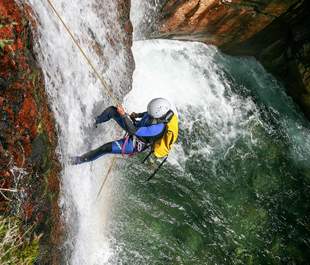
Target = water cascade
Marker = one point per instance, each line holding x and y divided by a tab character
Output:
76	97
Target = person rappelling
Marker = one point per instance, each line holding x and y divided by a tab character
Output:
157	128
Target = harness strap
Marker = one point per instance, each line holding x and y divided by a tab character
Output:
124	145
138	145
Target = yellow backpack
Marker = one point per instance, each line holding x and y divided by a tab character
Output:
162	146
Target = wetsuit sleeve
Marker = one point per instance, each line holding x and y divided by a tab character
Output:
140	115
150	131
137	115
130	127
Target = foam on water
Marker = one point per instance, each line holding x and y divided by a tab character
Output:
186	74
236	124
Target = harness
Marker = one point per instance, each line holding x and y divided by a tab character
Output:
138	145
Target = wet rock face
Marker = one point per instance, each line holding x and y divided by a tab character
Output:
28	162
219	22
276	32
125	37
283	47
119	39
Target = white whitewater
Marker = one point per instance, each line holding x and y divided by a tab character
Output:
216	111
186	73
76	96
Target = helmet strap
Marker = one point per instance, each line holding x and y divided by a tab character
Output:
167	117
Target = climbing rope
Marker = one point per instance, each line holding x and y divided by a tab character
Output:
103	82
106	176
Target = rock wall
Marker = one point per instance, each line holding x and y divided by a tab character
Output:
276	32
29	169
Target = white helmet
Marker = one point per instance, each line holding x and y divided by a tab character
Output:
158	107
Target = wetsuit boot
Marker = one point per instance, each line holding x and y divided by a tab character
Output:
92	155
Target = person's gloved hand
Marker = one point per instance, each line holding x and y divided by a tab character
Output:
120	109
133	115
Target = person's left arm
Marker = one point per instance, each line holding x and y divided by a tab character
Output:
130	127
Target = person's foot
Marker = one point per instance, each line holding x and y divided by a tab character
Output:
76	160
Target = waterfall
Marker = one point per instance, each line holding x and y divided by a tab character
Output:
76	97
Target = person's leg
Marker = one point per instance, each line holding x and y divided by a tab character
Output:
117	147
92	155
110	113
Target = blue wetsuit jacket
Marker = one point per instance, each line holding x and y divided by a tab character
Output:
144	130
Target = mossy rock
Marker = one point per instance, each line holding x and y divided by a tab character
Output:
17	247
4	42
40	152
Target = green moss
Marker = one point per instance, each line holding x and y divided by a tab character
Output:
5	25
40	128
17	247
4	42
30	252
34	77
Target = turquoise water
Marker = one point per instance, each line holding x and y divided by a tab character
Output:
244	200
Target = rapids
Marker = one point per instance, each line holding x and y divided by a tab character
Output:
236	187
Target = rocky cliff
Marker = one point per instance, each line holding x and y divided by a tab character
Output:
276	32
29	169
